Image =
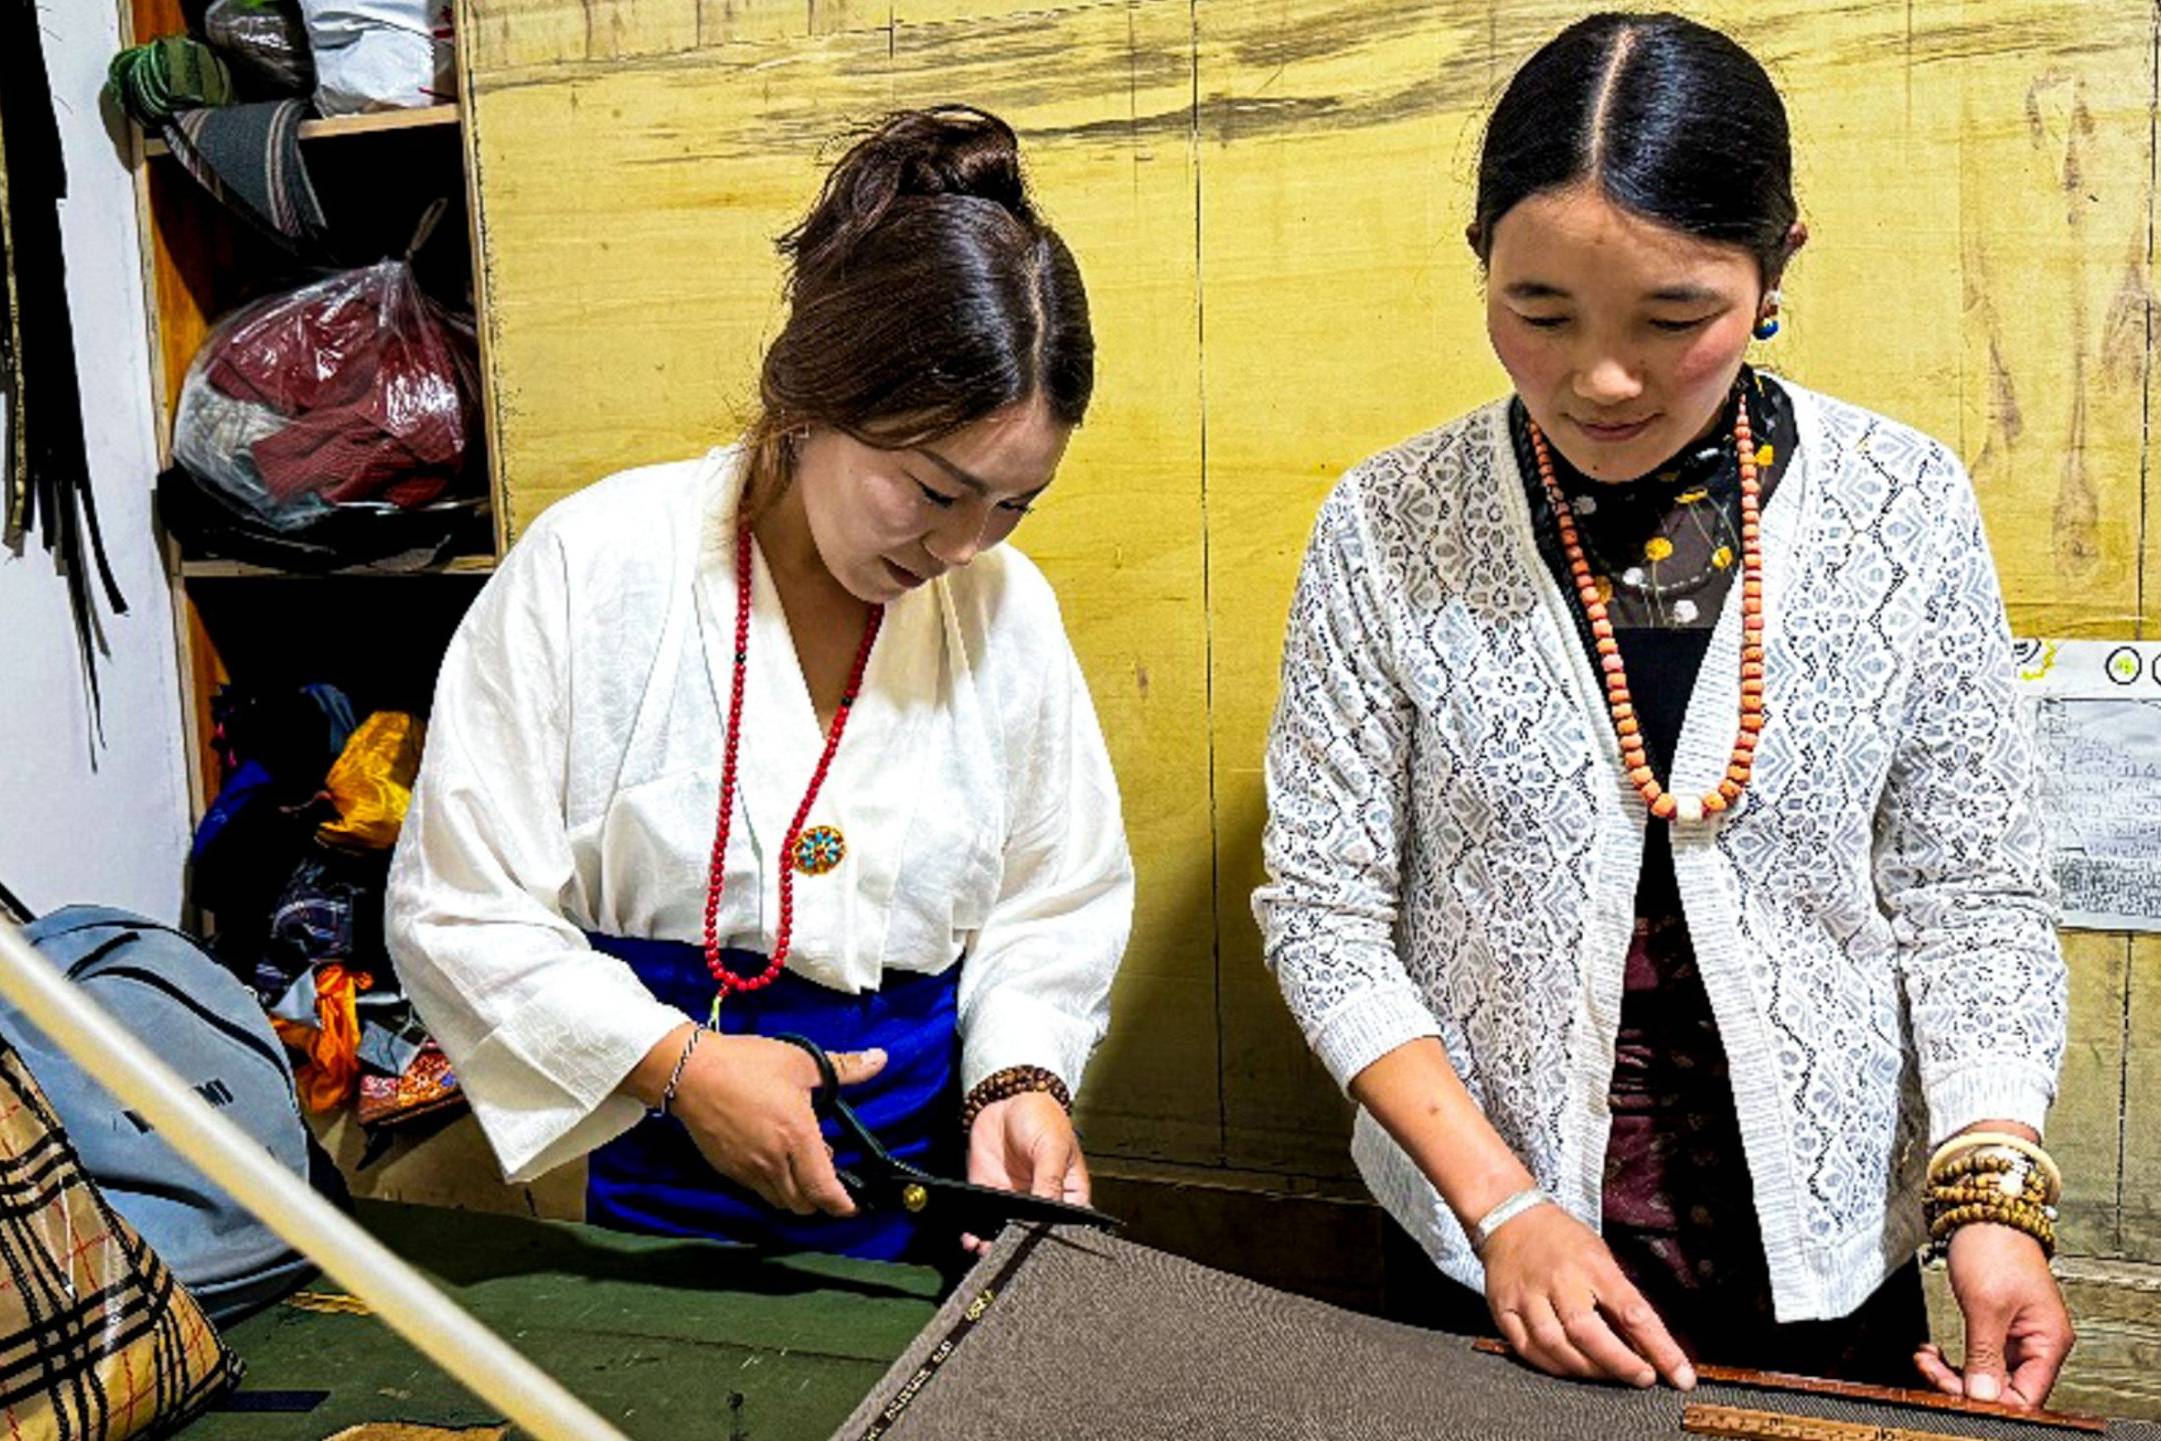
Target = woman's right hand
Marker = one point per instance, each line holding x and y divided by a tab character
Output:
1563	1305
747	1104
1556	1293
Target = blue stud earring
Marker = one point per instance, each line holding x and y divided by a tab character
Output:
1768	326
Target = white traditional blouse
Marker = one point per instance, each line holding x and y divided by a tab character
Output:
572	775
1454	848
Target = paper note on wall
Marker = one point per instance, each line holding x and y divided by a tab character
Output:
2096	708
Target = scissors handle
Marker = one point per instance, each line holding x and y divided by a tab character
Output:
886	1180
826	1102
828	1092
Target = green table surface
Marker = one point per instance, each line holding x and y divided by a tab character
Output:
672	1340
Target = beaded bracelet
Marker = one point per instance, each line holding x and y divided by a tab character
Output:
2028	1220
1988	1178
1008	1083
1992	1177
1960	1151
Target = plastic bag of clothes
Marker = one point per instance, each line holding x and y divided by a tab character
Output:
264	43
381	54
375	535
357	389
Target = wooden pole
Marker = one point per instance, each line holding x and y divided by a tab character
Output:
405	1300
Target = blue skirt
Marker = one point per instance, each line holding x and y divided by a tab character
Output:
652	1178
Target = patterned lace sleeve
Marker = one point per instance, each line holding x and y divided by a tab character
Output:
1337	772
1961	856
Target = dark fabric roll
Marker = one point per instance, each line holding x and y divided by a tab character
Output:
248	156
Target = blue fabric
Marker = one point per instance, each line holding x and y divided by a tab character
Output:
239	788
652	1179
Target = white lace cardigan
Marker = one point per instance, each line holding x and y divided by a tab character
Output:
1453	849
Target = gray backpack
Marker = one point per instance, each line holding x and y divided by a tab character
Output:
208	1027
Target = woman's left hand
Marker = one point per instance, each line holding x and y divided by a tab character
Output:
1026	1143
2017	1330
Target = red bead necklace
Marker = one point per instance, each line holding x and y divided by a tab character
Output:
1662	802
716	874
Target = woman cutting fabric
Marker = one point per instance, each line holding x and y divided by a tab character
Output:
1650	844
782	741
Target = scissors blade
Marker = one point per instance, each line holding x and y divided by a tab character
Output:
984	1210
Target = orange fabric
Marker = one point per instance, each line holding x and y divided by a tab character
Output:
331	1073
371	782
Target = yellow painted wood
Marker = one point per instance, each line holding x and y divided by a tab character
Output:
494	35
1017	16
2142	1105
2149	588
2057	215
629	315
1342	315
1123	535
1268	199
2085	1128
1977	179
511	34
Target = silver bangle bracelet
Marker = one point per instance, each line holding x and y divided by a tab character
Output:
1527	1199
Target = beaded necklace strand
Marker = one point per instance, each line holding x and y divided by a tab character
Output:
1663	803
716	875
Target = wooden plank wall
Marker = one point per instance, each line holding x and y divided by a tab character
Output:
1267	197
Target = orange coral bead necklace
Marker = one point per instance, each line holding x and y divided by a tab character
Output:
1663	803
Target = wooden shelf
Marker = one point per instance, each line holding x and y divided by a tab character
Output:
238	569
338	125
202	261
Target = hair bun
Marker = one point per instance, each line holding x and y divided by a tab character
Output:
944	150
955	150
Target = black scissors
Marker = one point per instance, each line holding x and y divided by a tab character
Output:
884	1181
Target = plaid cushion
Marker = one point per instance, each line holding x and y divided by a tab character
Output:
98	1341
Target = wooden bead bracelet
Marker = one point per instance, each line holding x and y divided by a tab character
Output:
1967	1151
2030	1220
1008	1083
1994	1179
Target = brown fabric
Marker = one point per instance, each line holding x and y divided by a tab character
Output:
1072	1334
1678	1212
